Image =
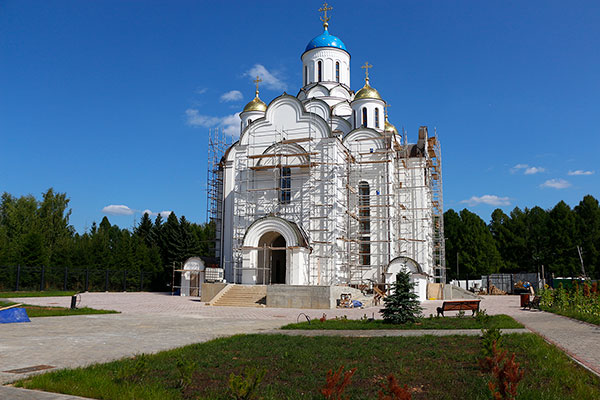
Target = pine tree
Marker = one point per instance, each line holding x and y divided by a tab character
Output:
401	306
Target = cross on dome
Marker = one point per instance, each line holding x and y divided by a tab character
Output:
366	67
256	82
325	18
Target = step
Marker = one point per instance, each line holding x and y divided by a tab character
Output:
243	296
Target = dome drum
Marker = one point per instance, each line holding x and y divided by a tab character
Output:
326	64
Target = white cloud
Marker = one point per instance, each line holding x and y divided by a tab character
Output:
194	118
555	184
230	123
120	209
580	172
534	170
527	170
232	95
201	90
489	199
270	80
164	214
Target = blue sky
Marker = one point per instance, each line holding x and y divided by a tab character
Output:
111	101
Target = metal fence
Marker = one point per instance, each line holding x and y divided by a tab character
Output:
67	278
506	282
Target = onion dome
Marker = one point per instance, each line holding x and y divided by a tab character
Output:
367	92
256	104
326	40
389	128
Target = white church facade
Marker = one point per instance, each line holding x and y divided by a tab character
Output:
321	189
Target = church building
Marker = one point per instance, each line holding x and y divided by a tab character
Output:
321	189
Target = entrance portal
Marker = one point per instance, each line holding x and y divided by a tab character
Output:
271	259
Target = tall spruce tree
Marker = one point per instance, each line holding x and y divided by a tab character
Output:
402	305
588	233
144	229
189	245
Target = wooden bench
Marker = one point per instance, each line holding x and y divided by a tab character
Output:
459	305
535	303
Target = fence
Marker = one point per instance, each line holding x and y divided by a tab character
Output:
506	282
66	278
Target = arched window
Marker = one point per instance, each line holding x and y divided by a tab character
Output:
319	71
364	221
364	116
305	75
249	121
376	117
285	185
337	71
354	117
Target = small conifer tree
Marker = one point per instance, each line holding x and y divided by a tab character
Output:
402	305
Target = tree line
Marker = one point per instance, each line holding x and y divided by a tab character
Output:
37	233
525	240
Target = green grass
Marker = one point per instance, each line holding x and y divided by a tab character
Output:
45	293
432	367
586	317
43	311
494	321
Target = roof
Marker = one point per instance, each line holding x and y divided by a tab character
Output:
326	39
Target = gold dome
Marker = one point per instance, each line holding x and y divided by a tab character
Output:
389	127
367	92
256	105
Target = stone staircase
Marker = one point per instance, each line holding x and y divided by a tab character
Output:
242	296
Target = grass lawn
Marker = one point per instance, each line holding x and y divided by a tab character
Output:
494	321
43	311
432	367
45	293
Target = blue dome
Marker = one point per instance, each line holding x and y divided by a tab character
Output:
325	40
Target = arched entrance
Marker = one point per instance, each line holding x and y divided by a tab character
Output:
275	250
271	260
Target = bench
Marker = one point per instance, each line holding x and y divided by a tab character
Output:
459	305
535	303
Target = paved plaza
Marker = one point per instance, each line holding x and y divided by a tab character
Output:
152	322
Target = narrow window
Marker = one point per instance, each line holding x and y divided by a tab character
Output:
305	75
376	117
364	119
364	218
285	185
354	117
337	71
249	121
319	71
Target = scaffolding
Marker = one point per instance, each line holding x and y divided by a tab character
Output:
353	232
434	162
217	144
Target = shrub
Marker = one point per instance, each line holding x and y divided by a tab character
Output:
335	384
506	377
394	391
245	387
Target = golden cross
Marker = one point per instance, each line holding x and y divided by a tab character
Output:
325	18
366	67
257	81
385	107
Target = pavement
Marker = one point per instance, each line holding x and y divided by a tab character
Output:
152	322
